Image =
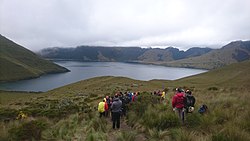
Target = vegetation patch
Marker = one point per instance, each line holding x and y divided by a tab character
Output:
31	130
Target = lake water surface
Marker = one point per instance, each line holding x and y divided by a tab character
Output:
85	70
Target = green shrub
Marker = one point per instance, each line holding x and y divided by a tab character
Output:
168	121
55	108
126	136
132	118
154	118
8	114
220	137
193	120
156	135
63	129
28	130
231	134
213	89
98	124
96	136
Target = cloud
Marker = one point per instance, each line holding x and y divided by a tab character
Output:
180	23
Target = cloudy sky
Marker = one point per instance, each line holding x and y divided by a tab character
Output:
38	24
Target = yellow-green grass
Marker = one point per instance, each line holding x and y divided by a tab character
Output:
11	98
225	92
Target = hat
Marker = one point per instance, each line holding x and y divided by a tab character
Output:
188	92
179	90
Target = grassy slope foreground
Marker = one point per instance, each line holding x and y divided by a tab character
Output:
19	63
69	112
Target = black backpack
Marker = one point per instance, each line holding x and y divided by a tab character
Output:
190	101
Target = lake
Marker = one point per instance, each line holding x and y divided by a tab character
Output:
86	70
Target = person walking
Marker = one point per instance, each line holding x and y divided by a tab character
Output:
178	104
116	111
106	107
101	108
163	96
190	101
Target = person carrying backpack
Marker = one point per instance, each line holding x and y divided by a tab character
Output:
189	101
178	104
101	108
116	111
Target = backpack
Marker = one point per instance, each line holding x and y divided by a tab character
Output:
203	109
190	101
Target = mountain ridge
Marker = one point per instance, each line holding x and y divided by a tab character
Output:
121	54
19	63
196	57
233	52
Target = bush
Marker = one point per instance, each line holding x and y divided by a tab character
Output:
95	136
213	89
63	129
28	131
168	121
8	114
126	136
98	124
55	108
231	134
193	120
156	118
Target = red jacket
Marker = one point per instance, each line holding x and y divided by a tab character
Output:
178	100
106	107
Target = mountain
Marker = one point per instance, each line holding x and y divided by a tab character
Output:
203	58
231	53
18	62
169	54
121	54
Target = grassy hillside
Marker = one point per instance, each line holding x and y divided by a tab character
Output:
19	63
70	112
234	75
231	53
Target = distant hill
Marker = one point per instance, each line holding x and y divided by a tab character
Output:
231	53
121	54
204	58
170	54
233	75
18	62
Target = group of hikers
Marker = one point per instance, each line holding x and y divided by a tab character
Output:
183	102
116	106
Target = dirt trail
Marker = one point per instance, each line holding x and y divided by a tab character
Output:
124	127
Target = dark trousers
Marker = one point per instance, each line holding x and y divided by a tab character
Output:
102	114
116	119
107	113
